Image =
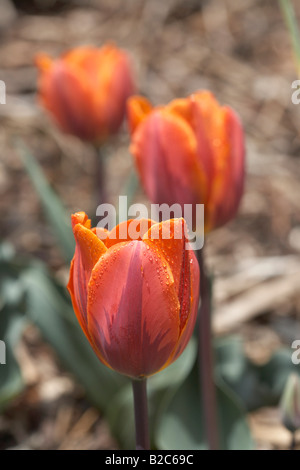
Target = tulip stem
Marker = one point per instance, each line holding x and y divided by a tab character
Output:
141	414
206	359
292	25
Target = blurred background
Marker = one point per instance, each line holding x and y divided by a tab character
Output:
239	50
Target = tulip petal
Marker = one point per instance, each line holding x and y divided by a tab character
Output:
189	326
165	151
66	95
132	229
169	239
138	108
87	252
229	180
133	310
115	81
110	69
80	218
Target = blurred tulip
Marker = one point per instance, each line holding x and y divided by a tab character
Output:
290	403
86	90
136	300
189	152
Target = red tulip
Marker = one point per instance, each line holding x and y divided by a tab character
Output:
86	90
136	300
189	152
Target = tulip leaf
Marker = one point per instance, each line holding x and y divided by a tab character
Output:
291	21
12	322
256	385
11	381
52	312
120	414
274	374
53	207
181	424
238	372
11	326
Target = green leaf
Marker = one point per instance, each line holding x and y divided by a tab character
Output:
235	432
274	374
120	414
181	424
12	321
52	205
292	25
256	385
240	375
11	381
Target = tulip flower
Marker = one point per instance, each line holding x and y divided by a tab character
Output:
135	295
86	90
189	152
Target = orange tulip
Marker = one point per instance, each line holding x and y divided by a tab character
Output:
189	152
136	300
86	90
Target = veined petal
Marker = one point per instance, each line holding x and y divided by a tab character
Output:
229	180
199	110
187	331
87	252
165	151
133	310
170	240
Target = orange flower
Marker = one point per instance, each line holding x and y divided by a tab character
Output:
86	90
189	152
135	299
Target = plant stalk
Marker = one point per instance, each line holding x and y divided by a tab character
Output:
293	441
292	25
141	414
206	359
100	173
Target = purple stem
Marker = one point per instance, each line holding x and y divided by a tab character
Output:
206	359
141	414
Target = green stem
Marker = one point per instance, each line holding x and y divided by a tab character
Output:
293	441
206	359
291	22
141	414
